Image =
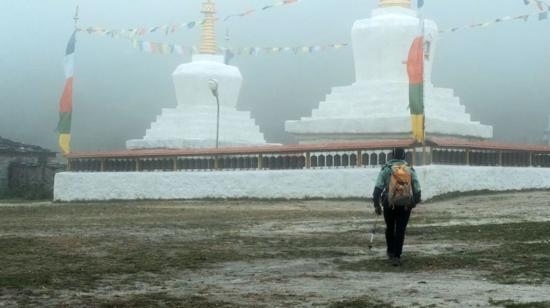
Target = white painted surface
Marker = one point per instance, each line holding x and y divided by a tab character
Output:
378	102
191	82
192	124
381	44
288	184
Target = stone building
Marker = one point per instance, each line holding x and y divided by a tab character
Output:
23	165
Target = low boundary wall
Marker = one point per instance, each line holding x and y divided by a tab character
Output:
436	180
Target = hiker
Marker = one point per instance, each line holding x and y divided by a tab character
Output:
398	188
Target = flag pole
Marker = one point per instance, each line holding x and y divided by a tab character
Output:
76	18
423	34
66	101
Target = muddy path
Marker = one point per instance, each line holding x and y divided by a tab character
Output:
491	250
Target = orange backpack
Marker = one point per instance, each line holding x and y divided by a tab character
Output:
400	192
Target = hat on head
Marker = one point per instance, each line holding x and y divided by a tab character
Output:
398	153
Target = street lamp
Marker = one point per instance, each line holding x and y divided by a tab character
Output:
213	85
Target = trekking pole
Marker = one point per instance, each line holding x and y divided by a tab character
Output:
373	233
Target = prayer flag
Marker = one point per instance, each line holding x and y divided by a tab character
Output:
66	101
415	70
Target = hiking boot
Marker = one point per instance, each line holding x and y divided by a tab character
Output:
396	261
390	255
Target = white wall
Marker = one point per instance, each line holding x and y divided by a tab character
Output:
290	184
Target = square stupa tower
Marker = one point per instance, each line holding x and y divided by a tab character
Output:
193	123
376	106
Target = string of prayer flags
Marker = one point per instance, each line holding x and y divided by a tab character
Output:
524	17
164	48
172	28
267	7
139	32
541	5
254	51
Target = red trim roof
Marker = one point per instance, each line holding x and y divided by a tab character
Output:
488	145
323	147
271	149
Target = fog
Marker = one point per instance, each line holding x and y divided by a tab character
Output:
501	73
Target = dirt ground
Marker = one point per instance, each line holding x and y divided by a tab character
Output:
473	251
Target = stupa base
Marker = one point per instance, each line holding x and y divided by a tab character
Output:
184	144
349	129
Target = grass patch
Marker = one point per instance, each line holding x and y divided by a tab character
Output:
81	262
488	233
484	192
512	304
513	259
361	302
74	263
161	300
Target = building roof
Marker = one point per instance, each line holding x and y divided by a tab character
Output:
324	147
13	147
488	145
267	149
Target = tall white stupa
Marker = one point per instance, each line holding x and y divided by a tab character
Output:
376	106
192	124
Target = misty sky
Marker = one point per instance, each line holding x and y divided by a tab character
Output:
501	73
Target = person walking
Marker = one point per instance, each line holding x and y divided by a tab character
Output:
398	189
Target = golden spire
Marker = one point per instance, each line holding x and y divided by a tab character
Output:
388	3
208	44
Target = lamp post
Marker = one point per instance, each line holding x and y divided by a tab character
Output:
213	85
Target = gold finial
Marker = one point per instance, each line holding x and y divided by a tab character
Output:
208	44
401	3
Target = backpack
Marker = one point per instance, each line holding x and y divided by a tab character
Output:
400	191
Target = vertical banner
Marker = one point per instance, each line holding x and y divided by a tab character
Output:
66	101
415	70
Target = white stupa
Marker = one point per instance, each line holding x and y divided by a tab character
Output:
192	124
376	105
